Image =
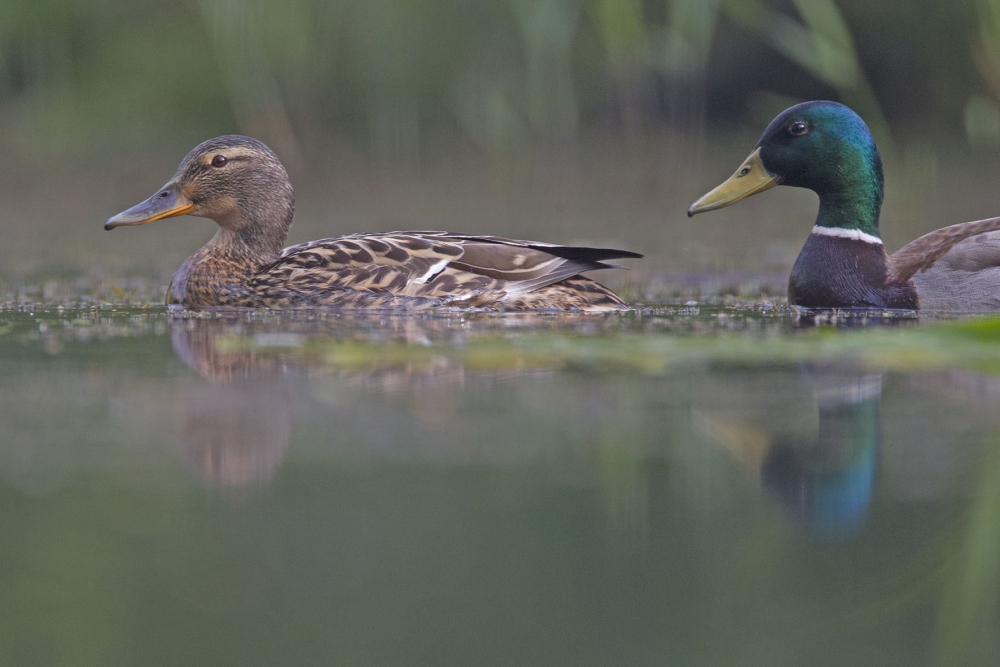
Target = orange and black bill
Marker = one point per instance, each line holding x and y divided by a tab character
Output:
166	203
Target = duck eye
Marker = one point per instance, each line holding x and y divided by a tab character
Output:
219	161
798	128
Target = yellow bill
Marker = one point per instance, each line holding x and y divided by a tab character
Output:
749	179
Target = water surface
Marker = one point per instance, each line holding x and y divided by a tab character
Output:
725	485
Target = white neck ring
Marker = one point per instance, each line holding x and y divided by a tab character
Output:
852	234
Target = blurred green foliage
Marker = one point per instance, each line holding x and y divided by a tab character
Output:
389	76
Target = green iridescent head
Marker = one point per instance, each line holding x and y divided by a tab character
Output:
822	146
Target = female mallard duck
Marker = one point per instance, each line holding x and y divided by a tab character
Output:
827	148
240	184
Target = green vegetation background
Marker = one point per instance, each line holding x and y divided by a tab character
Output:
390	77
588	121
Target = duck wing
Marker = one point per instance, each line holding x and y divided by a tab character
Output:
922	253
432	268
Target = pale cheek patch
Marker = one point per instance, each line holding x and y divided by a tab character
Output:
852	234
224	210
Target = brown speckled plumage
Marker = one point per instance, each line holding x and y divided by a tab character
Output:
250	197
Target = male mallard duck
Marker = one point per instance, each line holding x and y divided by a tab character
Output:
241	185
827	148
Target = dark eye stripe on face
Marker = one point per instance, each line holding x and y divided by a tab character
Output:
202	164
229	159
206	163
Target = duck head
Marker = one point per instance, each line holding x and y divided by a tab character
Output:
234	180
822	146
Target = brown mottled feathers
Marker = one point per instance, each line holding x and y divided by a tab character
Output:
921	254
584	293
435	269
240	184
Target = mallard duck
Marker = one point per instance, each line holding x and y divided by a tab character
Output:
827	148
239	183
823	474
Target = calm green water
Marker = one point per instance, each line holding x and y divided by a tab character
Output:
695	487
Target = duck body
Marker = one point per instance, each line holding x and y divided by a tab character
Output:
827	148
240	184
966	279
403	270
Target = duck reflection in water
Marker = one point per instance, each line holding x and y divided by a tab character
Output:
824	478
236	430
828	483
